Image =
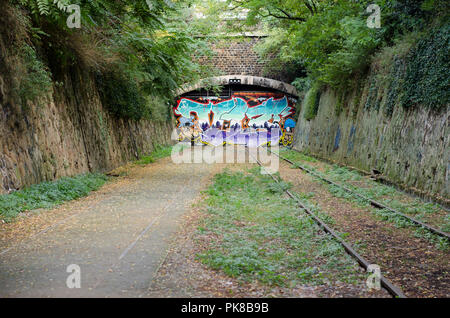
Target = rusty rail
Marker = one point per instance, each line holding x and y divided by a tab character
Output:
372	202
391	288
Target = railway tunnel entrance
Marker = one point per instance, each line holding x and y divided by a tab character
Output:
246	110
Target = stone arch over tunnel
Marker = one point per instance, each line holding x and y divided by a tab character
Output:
245	105
241	80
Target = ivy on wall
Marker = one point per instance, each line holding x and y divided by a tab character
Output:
394	87
312	101
426	81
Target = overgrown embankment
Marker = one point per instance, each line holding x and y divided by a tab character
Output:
376	77
69	131
88	99
394	120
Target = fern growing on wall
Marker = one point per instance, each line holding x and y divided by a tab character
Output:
46	7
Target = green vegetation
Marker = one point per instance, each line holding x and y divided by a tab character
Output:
329	42
426	80
158	153
260	234
312	101
379	192
141	51
296	156
393	90
371	100
121	96
48	194
35	79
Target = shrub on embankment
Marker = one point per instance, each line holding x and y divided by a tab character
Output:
334	43
91	98
48	194
373	98
412	67
137	50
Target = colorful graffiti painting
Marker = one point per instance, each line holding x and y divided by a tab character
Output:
241	118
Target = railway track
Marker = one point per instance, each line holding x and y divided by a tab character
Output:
385	283
374	203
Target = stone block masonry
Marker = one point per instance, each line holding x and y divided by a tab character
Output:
70	133
411	148
235	56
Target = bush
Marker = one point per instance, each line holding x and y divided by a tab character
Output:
34	79
356	43
302	84
312	100
426	81
121	96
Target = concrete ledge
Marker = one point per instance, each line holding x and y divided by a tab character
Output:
245	80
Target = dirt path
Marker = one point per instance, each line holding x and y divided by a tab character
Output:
118	236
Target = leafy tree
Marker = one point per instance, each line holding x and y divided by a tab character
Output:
147	43
330	39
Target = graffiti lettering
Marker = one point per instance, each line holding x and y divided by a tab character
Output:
243	116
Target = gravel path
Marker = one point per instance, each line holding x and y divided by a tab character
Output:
118	236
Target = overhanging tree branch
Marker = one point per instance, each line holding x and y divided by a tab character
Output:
285	16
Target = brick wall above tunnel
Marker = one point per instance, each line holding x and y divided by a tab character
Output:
236	55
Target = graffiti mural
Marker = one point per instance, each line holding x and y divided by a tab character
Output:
240	119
